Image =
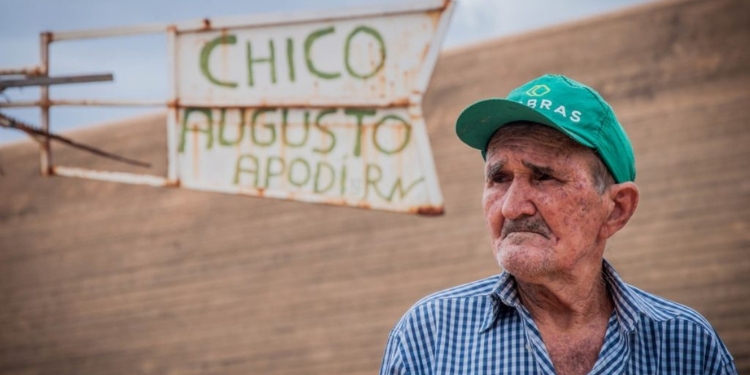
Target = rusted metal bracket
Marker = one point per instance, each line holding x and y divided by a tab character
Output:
46	81
11	123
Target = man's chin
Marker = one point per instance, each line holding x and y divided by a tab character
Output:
523	262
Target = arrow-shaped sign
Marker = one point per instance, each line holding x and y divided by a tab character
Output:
318	108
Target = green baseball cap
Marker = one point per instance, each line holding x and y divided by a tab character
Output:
562	103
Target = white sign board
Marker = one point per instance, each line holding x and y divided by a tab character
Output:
324	110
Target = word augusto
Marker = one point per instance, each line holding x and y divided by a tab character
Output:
348	153
272	50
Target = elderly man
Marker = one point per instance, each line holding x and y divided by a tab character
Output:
559	183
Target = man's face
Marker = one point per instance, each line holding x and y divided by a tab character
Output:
540	203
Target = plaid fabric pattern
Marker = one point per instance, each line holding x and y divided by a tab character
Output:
481	328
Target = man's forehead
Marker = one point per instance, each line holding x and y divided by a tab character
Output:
538	148
541	135
540	141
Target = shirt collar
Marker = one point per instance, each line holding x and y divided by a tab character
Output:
629	306
504	296
631	303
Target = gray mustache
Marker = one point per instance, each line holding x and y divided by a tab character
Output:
526	224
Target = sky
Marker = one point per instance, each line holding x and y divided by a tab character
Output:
139	62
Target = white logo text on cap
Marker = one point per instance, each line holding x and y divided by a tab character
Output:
546	104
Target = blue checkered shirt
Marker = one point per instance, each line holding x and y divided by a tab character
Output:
482	328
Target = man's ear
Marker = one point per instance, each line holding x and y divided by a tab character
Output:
624	197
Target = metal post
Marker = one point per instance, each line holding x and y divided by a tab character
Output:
45	157
172	106
26	71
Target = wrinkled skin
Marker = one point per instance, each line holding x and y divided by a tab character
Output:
541	205
549	224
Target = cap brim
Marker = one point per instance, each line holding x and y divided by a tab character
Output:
478	122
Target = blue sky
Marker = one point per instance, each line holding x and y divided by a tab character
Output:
139	62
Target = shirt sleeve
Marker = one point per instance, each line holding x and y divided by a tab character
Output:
393	363
718	360
730	369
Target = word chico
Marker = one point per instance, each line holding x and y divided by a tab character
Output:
271	51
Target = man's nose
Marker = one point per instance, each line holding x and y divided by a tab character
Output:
517	200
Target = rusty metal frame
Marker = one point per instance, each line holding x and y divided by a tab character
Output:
46	81
35	70
173	104
86	102
45	154
255	20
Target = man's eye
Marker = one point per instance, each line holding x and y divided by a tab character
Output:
544	177
499	177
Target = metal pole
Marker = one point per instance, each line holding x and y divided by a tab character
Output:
86	102
9	122
174	108
24	71
46	81
45	157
